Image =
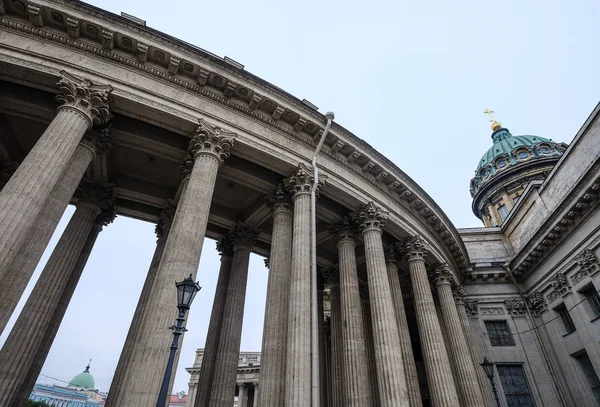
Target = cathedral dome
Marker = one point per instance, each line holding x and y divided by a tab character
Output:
83	380
506	168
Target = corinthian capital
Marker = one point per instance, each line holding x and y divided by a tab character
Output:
302	180
211	140
344	229
96	193
242	235
443	275
86	97
415	249
98	139
459	294
165	219
279	200
371	217
391	256
106	217
225	247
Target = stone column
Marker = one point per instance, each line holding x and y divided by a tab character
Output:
82	104
209	147
214	334
337	382
223	386
274	340
21	351
18	273
466	378
354	350
242	395
476	355
121	372
322	341
256	395
408	359
298	360
368	328
437	365
386	339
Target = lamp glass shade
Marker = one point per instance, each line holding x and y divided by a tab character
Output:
488	367
186	291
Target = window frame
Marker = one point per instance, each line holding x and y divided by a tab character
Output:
566	319
509	396
496	338
593	301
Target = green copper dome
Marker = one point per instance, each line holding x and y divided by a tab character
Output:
504	143
83	380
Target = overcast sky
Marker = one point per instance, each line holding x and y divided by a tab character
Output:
412	78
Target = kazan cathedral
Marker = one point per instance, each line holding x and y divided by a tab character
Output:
374	298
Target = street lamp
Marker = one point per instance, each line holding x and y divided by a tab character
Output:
186	291
488	368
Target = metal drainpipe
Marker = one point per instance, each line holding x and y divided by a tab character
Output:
537	335
314	313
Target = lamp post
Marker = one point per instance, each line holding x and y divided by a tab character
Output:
186	291
488	367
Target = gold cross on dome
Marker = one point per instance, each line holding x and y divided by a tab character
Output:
489	112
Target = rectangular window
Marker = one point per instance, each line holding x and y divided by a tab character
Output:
591	295
498	333
503	211
514	385
566	318
590	373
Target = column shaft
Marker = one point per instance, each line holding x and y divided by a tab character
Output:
388	354
23	344
354	352
437	365
19	271
466	378
223	386
209	147
337	381
243	395
25	194
120	377
214	334
476	355
274	340
367	322
410	369
256	396
298	362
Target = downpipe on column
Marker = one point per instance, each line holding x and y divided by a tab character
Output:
314	313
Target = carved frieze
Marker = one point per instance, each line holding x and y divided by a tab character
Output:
490	311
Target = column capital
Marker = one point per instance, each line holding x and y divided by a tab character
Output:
391	256
211	140
415	249
242	235
242	385
301	181
371	217
225	246
106	217
332	275
87	98
459	294
472	307
537	302
165	219
95	193
186	166
255	385
268	262
98	139
343	230
279	199
516	308
442	275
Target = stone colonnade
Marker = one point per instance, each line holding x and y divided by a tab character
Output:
370	360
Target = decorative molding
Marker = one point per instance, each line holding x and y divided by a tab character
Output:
516	308
588	265
394	183
459	294
95	193
301	181
279	199
415	249
225	247
344	229
242	235
165	219
442	275
537	303
98	139
472	308
489	311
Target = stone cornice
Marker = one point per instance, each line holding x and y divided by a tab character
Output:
581	202
296	120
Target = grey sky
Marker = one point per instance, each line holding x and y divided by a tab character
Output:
411	78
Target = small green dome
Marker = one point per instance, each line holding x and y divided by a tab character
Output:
505	143
83	380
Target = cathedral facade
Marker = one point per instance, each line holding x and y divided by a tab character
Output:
374	297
